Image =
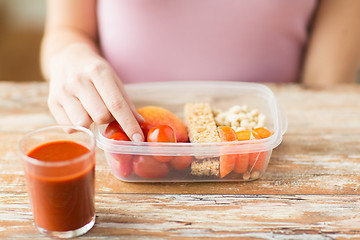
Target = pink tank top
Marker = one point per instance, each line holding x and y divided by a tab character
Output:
242	40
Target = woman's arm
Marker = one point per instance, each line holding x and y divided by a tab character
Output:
68	22
83	86
333	54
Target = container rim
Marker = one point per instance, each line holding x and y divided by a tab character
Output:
204	149
181	149
37	162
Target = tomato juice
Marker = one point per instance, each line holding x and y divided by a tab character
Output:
60	177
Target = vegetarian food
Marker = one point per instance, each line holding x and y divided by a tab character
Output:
202	124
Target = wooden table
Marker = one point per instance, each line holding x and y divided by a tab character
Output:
309	191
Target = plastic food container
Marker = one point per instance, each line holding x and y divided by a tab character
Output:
204	157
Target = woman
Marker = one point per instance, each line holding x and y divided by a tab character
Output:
91	47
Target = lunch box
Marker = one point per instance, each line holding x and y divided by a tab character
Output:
123	156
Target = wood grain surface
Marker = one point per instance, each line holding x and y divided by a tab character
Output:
310	189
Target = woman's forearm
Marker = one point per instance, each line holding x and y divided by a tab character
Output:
67	22
333	54
56	41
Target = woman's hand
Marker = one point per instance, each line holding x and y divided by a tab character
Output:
85	89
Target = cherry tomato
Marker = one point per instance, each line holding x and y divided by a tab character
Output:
121	157
120	136
148	167
181	162
123	167
112	128
161	133
145	127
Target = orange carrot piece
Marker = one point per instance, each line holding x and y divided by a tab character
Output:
227	162
227	134
257	160
242	162
243	135
261	132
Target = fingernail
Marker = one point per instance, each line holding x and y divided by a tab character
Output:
137	137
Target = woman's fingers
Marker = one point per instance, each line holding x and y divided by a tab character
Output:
85	89
93	103
105	83
75	111
138	117
58	112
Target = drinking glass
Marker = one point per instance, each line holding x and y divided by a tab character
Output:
61	191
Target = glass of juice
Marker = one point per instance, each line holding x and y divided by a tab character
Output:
59	165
